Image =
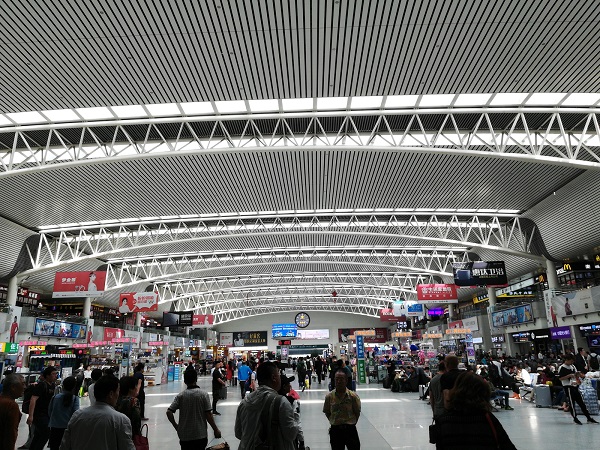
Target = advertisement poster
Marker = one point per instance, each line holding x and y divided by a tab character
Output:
90	331
59	329
415	310
574	303
312	334
379	338
387	315
244	339
437	293
130	302
9	324
203	320
79	284
113	333
480	273
512	316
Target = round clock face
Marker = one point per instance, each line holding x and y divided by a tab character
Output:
302	320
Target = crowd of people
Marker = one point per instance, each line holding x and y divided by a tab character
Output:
269	414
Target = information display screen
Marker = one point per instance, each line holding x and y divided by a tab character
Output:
480	273
59	329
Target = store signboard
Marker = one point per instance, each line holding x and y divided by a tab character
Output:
471	323
59	329
288	330
79	284
112	333
244	339
9	347
521	337
203	320
415	310
81	345
158	343
125	340
312	334
577	302
479	273
589	330
380	336
387	315
100	343
130	302
437	293
512	316
561	332
498	339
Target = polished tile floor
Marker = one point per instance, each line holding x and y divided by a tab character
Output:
388	421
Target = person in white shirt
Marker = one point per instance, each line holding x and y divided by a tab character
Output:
96	374
100	426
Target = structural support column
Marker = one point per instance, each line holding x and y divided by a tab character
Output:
450	312
491	296
138	320
87	307
551	274
13	288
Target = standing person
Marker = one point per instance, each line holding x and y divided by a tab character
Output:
96	374
251	420
229	373
301	373
569	377
436	399
218	382
448	379
467	423
10	416
99	426
294	399
319	368
62	407
309	371
342	408
128	404
194	413
38	408
581	360
138	373
80	378
87	378
244	374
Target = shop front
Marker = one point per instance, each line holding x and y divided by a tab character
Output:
542	340
591	333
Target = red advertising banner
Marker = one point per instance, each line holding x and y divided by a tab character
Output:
437	293
379	338
113	333
203	320
79	284
387	315
130	302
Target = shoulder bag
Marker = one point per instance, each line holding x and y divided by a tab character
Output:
273	419
140	441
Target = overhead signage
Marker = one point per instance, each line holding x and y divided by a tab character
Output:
399	308
589	330
435	312
472	323
415	310
312	334
437	293
512	316
521	337
433	335
365	333
130	302
99	343
380	336
577	302
79	284
479	273
360	347
125	340
59	329
36	348
158	343
498	339
279	330
186	319
387	315
9	347
578	266
203	320
561	332
243	339
27	343
81	345
284	342
458	331
541	334
112	333
401	334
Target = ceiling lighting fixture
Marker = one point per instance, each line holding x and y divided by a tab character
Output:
263	105
230	107
401	101
193	108
327	103
97	113
368	102
4	121
163	109
297	104
581	99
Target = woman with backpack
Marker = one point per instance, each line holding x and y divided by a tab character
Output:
61	408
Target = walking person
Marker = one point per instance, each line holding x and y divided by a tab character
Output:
61	409
218	382
301	373
342	408
10	416
138	373
128	403
319	368
569	377
244	374
38	408
195	412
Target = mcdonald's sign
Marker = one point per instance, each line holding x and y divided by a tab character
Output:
567	267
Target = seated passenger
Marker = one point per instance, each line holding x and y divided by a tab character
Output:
468	424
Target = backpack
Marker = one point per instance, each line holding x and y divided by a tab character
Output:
27	394
595	363
270	418
301	366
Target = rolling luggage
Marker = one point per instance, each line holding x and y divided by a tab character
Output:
387	383
543	396
422	389
590	398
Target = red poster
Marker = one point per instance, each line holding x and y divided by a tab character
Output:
79	284
203	320
113	333
456	324
138	302
387	315
437	293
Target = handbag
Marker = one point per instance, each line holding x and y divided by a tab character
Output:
140	441
434	430
223	393
222	446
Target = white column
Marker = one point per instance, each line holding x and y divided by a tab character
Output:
412	323
13	288
87	307
138	320
551	274
491	296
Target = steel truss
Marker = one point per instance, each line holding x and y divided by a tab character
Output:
169	270
490	134
509	235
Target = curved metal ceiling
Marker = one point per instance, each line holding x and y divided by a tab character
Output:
121	152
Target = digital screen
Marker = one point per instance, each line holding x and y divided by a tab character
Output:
59	329
436	312
170	320
480	273
280	330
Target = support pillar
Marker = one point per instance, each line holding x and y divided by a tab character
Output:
450	312
551	274
491	296
13	288
87	307
138	320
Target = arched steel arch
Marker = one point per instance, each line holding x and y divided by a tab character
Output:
489	135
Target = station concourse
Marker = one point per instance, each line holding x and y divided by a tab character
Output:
185	181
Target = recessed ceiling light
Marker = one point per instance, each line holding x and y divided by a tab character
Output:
197	108
297	104
96	113
232	106
508	99
545	98
332	102
163	109
401	101
61	115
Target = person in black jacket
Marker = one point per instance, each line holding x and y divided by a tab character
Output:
468	424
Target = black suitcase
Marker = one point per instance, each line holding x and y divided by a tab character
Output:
387	383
